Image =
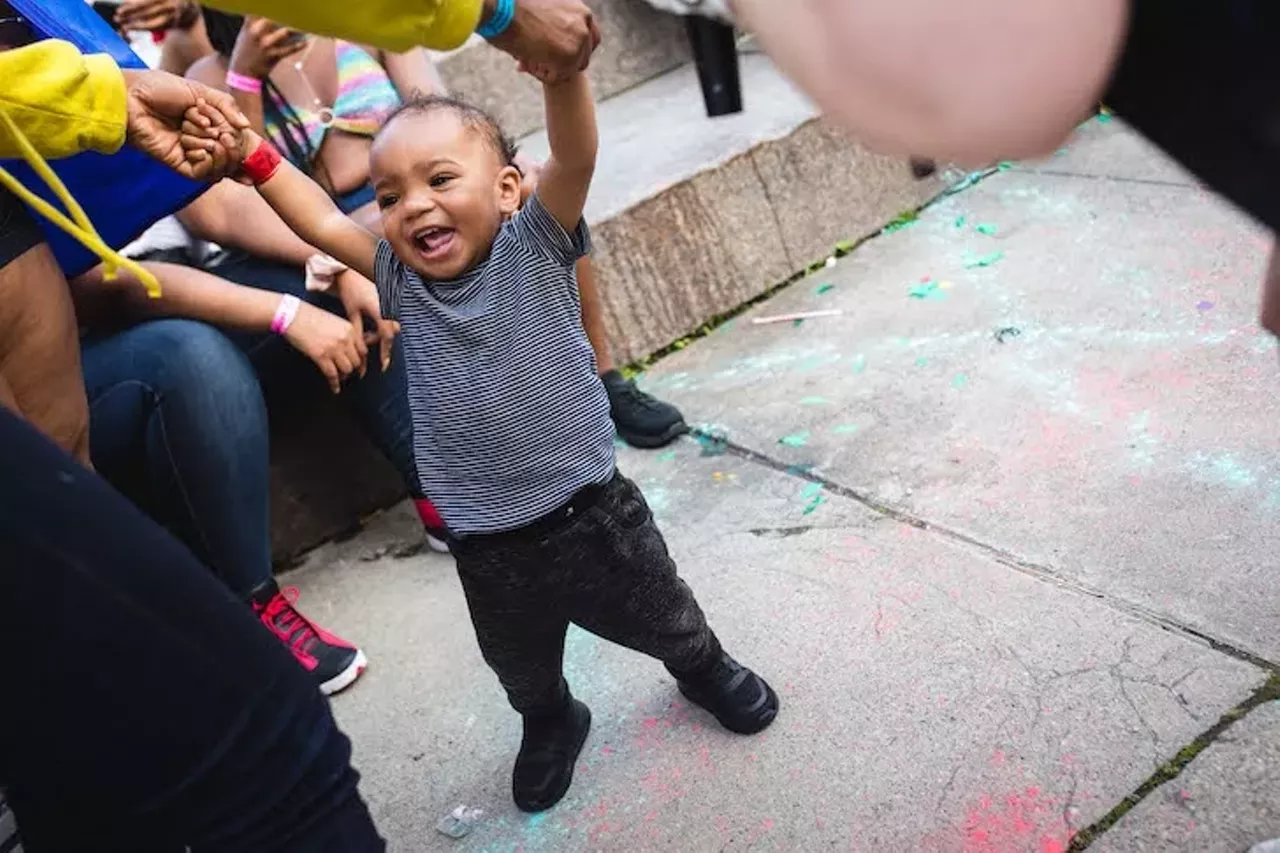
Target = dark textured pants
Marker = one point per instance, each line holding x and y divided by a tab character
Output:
606	570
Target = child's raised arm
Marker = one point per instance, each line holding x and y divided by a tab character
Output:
308	210
571	130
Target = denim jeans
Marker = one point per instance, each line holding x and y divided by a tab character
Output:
178	423
146	710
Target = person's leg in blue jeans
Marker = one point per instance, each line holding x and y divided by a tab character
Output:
180	427
149	711
378	399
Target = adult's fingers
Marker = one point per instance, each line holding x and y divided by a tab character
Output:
331	375
387	332
361	350
589	46
284	51
342	359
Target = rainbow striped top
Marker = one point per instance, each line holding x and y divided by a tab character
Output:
366	97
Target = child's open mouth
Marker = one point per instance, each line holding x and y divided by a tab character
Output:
433	244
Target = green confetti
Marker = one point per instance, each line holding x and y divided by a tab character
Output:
859	363
666	456
982	260
959	221
985	228
814	504
712	445
1104	115
844	246
825	288
960	380
921	361
796	439
1004	165
814	401
845	429
927	290
797	323
800	470
813	494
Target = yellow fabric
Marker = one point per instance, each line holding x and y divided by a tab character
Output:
55	102
64	102
395	25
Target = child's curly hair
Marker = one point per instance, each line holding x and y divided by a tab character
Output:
469	114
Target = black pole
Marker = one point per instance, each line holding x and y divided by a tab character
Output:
715	51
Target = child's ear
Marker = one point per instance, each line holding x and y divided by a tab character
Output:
509	190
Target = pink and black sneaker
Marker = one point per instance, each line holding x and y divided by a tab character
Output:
334	662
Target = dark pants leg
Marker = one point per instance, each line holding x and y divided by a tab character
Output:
146	710
609	572
380	400
179	426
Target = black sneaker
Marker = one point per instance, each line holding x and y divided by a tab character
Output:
641	420
736	696
332	661
548	752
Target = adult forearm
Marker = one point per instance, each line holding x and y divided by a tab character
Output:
190	294
972	82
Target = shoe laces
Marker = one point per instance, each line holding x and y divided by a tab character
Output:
630	392
286	622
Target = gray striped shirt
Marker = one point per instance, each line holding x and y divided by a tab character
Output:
510	417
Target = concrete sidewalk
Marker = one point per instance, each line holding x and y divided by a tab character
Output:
1003	535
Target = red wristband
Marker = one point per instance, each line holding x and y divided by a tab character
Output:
261	164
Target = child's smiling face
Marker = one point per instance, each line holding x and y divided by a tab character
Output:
443	191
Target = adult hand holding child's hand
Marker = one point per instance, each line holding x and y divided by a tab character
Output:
188	127
558	36
335	345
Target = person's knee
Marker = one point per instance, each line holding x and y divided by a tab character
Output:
196	369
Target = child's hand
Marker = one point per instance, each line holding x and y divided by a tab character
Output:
335	345
545	73
360	298
211	146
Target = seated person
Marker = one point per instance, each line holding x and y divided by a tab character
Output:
179	423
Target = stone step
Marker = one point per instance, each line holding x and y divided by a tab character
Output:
691	217
638	43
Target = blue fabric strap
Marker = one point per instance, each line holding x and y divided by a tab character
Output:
503	14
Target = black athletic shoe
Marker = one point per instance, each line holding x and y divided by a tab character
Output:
641	420
736	696
548	752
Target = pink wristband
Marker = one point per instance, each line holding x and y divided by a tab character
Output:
244	83
285	314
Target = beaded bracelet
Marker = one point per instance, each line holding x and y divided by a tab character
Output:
504	12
